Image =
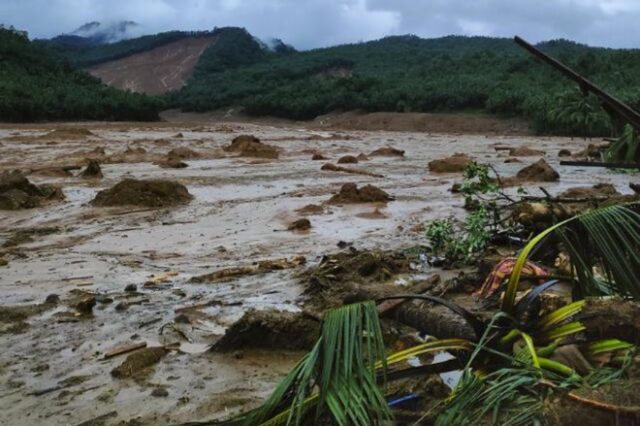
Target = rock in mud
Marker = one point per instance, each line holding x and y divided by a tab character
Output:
250	146
300	225
85	305
139	362
454	164
525	151
350	193
387	151
348	159
539	171
182	153
92	171
147	193
160	393
564	153
270	329
362	157
16	192
512	160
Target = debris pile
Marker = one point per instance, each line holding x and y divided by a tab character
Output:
350	193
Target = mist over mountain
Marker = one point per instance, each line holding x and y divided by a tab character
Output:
102	33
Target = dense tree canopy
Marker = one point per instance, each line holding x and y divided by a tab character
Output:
37	84
407	73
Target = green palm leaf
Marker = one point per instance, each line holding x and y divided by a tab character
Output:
607	238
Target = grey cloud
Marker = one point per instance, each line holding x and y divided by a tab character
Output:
317	23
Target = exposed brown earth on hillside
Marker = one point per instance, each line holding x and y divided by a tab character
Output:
156	71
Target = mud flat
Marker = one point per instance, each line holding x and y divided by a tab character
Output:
81	280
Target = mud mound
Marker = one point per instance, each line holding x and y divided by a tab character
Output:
375	214
16	192
564	153
139	362
387	151
250	146
341	276
348	159
350	193
454	164
172	163
362	157
93	170
311	209
182	153
333	168
600	190
539	171
69	133
134	151
241	142
147	193
270	329
303	224
318	156
525	151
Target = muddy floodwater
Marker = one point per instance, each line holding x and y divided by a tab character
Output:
53	369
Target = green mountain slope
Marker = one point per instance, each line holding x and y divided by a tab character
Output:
37	84
407	73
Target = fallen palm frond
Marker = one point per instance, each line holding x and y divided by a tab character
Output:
607	238
625	148
341	366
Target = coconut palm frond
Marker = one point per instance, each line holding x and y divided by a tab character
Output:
505	397
340	370
607	238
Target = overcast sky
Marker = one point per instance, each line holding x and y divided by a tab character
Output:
316	23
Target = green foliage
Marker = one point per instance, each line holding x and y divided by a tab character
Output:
466	244
579	114
36	84
625	148
406	73
604	247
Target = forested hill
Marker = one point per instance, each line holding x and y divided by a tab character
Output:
37	84
407	73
